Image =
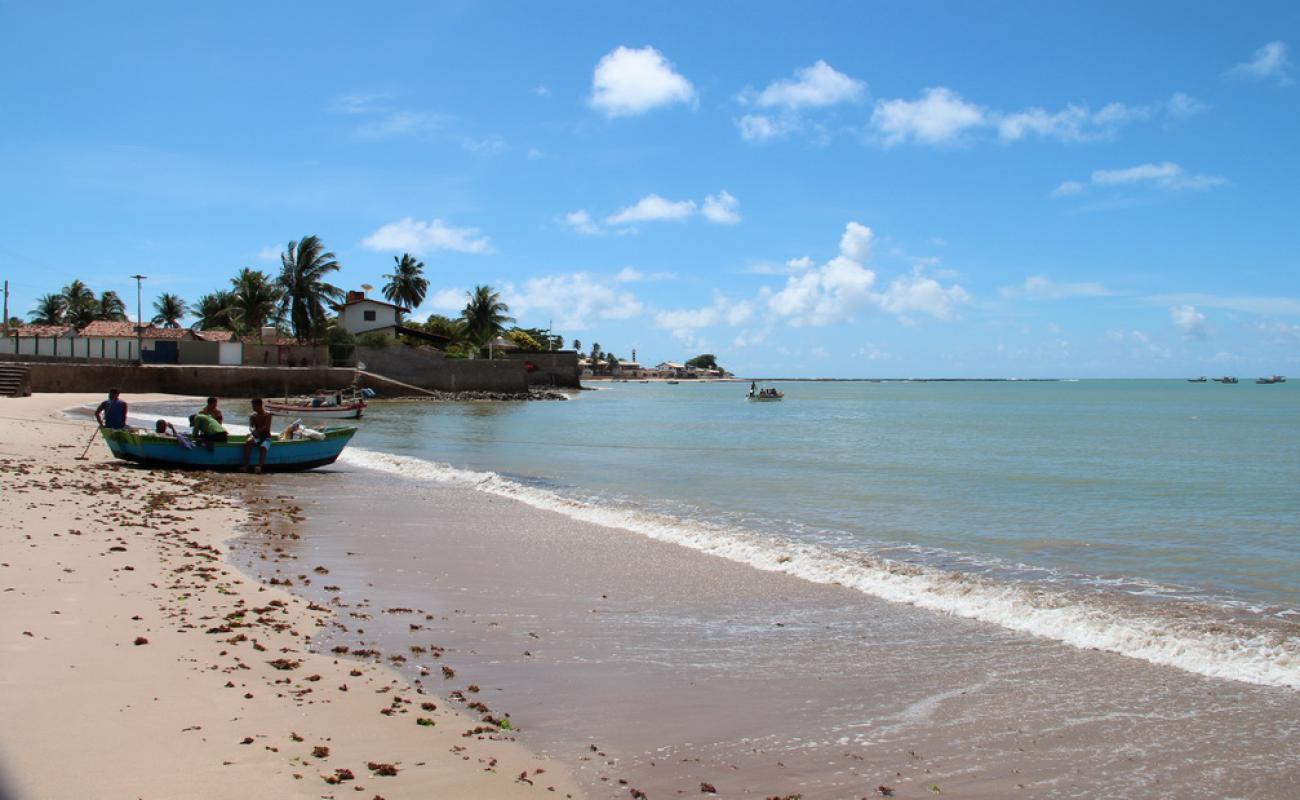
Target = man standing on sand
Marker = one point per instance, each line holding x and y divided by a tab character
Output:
259	435
112	412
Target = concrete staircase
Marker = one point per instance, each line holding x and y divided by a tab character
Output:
13	381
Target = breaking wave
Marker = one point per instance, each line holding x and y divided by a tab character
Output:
1197	637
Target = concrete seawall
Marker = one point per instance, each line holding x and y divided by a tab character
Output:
223	381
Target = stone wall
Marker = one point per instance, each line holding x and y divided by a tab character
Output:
430	369
558	368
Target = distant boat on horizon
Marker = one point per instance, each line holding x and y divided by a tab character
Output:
1226	379
1271	379
1196	380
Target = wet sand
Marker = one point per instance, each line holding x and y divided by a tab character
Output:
647	666
136	662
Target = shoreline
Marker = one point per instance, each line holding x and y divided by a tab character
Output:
138	658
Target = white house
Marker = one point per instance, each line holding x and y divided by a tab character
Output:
359	314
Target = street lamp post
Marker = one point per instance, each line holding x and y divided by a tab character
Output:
139	321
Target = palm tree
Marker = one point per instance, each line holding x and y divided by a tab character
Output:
304	265
171	309
407	285
254	300
213	311
49	310
110	307
577	345
79	304
484	316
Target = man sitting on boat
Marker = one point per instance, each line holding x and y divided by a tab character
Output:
259	435
112	412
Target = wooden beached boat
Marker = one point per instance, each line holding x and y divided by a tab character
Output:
284	456
305	409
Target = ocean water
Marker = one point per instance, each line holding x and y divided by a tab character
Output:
1155	519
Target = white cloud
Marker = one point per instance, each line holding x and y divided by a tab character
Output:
582	222
627	82
446	300
1165	175
370	103
1269	62
1041	287
653	208
1182	106
721	311
1278	332
803	262
762	127
1190	321
939	117
420	237
919	292
576	301
812	87
722	208
855	243
269	253
634	275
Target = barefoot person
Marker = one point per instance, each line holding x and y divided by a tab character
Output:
112	412
207	431
259	435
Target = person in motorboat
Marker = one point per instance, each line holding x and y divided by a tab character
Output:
212	411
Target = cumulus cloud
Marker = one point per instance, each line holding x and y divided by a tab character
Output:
721	208
685	323
1190	321
844	286
652	208
627	82
418	237
762	127
446	300
812	87
582	222
921	293
1181	106
1166	175
634	275
1041	287
940	116
575	301
1269	62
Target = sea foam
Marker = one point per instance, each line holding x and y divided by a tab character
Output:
1266	655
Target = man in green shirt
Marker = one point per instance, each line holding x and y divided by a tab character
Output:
207	431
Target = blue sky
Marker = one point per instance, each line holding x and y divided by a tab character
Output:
833	189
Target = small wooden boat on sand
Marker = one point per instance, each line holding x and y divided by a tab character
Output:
172	451
332	405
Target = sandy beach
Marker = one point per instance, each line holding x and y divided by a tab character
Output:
136	662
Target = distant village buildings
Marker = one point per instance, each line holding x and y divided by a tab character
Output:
631	370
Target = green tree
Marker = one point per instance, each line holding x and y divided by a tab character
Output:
110	307
254	300
523	340
703	361
577	345
15	322
171	310
213	311
611	362
48	310
304	266
485	316
79	304
407	285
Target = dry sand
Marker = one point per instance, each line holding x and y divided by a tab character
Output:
135	662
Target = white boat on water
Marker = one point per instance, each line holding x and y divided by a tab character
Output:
321	406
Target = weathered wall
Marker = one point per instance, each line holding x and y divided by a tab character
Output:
429	369
271	355
199	352
558	368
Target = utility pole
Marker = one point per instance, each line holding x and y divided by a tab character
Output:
5	324
139	321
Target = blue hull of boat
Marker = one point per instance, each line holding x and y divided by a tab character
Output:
164	451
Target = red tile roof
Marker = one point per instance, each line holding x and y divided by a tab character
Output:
40	330
126	330
215	336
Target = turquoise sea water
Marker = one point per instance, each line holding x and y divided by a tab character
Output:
1157	519
1160	519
